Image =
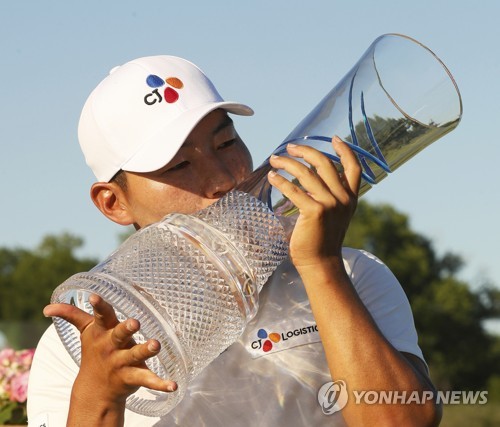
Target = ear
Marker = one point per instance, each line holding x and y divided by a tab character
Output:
111	200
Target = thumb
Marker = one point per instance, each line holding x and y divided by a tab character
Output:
77	317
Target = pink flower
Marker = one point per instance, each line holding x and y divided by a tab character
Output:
19	387
7	356
25	357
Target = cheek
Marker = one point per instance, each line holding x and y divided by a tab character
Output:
152	202
240	163
173	199
181	201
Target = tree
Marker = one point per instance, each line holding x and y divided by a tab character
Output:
448	314
27	279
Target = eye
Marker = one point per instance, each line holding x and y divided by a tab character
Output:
226	144
178	166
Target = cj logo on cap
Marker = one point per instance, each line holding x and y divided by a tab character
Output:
170	95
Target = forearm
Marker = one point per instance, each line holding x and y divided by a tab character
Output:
358	353
89	410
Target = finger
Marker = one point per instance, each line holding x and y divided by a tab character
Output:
104	313
143	377
70	313
139	353
307	178
140	375
323	165
295	194
350	163
123	332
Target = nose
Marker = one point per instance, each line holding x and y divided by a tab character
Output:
218	179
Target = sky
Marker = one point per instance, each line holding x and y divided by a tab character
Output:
280	57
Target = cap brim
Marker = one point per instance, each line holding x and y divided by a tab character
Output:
160	149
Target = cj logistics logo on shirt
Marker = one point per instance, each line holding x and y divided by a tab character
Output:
270	342
170	94
265	340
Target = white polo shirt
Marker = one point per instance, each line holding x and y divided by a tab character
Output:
270	377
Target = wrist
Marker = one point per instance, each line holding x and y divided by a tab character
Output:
95	406
329	264
324	271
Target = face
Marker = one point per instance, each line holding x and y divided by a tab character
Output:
211	162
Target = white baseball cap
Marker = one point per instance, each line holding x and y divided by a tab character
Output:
139	116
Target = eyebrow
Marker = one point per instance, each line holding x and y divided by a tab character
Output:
226	122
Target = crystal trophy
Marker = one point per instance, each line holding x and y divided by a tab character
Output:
193	281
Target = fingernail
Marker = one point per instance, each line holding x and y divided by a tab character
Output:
172	387
152	346
271	173
274	156
289	145
336	139
130	326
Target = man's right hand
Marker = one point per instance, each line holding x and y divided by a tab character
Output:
112	366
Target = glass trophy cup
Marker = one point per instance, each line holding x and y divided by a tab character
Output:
193	281
396	100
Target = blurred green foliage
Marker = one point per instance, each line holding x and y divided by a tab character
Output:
27	279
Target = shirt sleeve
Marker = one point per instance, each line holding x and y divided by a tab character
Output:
52	374
383	296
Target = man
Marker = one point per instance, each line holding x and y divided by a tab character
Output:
158	137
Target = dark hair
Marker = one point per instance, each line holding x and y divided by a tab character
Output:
120	179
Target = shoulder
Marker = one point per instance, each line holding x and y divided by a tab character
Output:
358	258
367	271
374	282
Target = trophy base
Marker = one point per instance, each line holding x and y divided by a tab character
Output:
129	301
